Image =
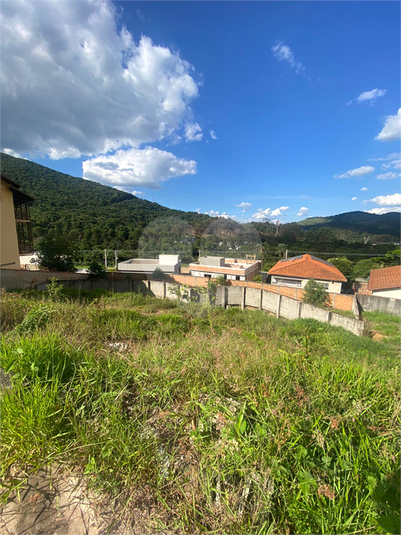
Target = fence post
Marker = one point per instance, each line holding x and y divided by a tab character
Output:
278	305
261	300
243	298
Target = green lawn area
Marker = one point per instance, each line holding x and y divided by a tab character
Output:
231	421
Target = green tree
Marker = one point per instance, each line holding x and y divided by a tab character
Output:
344	265
56	253
363	268
315	294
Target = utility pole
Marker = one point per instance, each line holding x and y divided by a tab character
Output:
116	260
105	259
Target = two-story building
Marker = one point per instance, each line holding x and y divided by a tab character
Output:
16	234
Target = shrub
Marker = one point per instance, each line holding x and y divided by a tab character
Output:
315	294
56	253
96	271
158	274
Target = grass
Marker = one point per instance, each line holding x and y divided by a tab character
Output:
233	421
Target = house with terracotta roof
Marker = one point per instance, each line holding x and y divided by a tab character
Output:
386	282
213	267
298	270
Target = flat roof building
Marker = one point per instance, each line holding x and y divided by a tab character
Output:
229	268
167	263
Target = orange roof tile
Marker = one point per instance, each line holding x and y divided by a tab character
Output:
385	278
307	267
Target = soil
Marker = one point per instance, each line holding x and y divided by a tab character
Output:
57	502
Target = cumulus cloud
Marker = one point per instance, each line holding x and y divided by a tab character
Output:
381	211
364	189
360	171
302	211
137	167
74	83
371	95
284	53
387	200
193	132
262	215
212	213
391	130
388	176
213	134
354	199
245	206
137	193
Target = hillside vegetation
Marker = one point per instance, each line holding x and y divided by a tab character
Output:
95	217
220	421
87	213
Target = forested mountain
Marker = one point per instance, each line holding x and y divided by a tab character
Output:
86	212
93	216
361	222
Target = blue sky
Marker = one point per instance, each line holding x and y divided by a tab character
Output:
253	110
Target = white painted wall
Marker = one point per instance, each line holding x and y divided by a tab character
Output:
394	293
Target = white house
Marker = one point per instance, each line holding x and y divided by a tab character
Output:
386	282
298	270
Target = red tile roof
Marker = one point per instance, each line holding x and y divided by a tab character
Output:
385	278
307	267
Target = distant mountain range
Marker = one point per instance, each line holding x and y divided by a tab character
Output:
93	215
361	222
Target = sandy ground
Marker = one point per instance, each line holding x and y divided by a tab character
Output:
57	502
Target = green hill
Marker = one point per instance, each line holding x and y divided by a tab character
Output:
361	222
87	212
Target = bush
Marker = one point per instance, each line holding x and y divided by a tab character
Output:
96	271
158	274
56	253
315	294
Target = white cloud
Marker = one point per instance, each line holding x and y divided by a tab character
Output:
262	215
245	206
213	134
137	193
381	211
212	213
73	84
11	152
283	52
302	211
371	95
354	199
387	200
193	132
364	189
360	171
388	176
391	130
137	167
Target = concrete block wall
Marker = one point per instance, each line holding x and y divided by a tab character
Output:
290	308
234	295
375	303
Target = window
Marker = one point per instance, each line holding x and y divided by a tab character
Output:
287	282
